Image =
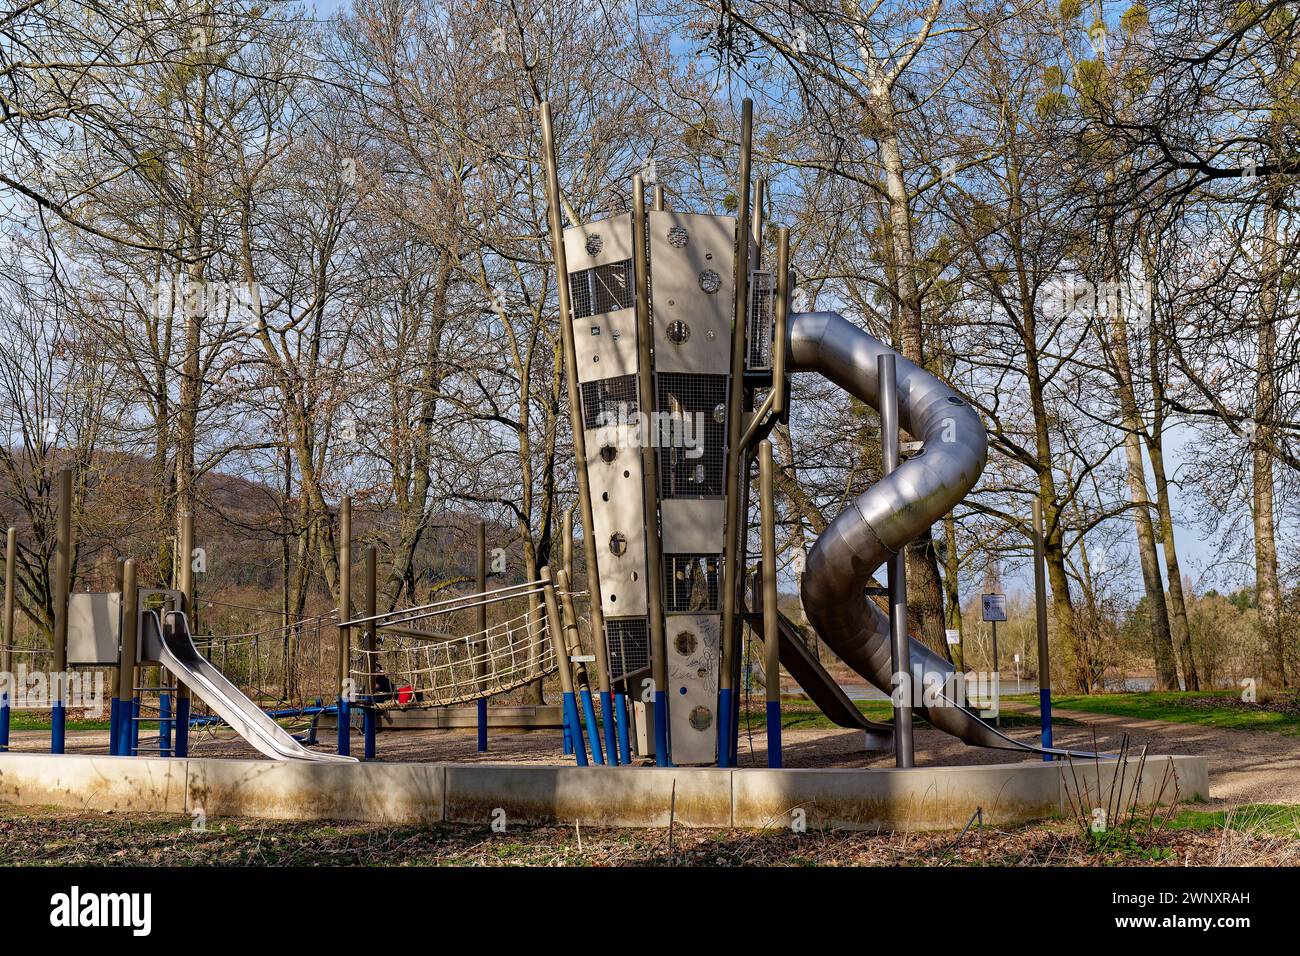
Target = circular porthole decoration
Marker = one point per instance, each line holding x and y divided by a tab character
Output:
679	333
720	413
710	281
701	718
618	543
678	237
594	244
685	643
608	453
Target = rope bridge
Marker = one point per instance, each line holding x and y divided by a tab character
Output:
430	666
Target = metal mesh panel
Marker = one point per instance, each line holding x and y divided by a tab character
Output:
606	288
609	401
629	646
692	582
691	435
758	333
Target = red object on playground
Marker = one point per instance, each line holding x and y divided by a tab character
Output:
405	694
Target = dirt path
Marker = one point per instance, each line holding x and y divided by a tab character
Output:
1246	766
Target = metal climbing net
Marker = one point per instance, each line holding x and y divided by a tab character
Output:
420	658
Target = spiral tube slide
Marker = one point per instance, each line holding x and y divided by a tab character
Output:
887	515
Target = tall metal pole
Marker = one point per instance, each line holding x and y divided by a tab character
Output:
566	546
372	647
185	579
123	746
649	477
735	515
113	673
1040	606
62	585
7	652
346	689
659	204
556	226
997	678
900	651
771	636
781	314
481	645
560	645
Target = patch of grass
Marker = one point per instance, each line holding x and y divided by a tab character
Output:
20	721
1270	818
805	715
1279	713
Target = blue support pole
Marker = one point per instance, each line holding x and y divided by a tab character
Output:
724	727
735	727
4	723
369	725
183	726
624	740
126	729
774	734
164	725
661	729
58	728
114	725
574	729
134	729
607	714
568	735
1045	711
345	726
482	725
593	730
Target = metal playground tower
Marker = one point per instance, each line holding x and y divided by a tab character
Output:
677	345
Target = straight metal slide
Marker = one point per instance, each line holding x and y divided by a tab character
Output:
822	689
182	658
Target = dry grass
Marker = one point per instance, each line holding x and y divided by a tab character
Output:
49	837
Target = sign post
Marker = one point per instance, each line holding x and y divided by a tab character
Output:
994	609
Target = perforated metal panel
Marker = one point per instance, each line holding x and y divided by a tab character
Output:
692	290
618	513
605	345
693	652
598	243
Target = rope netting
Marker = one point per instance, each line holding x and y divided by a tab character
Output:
432	666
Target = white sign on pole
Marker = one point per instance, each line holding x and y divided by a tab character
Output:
954	636
994	607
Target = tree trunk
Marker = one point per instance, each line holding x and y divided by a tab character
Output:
1267	591
924	587
952	568
1178	623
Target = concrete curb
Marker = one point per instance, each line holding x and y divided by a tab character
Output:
927	798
